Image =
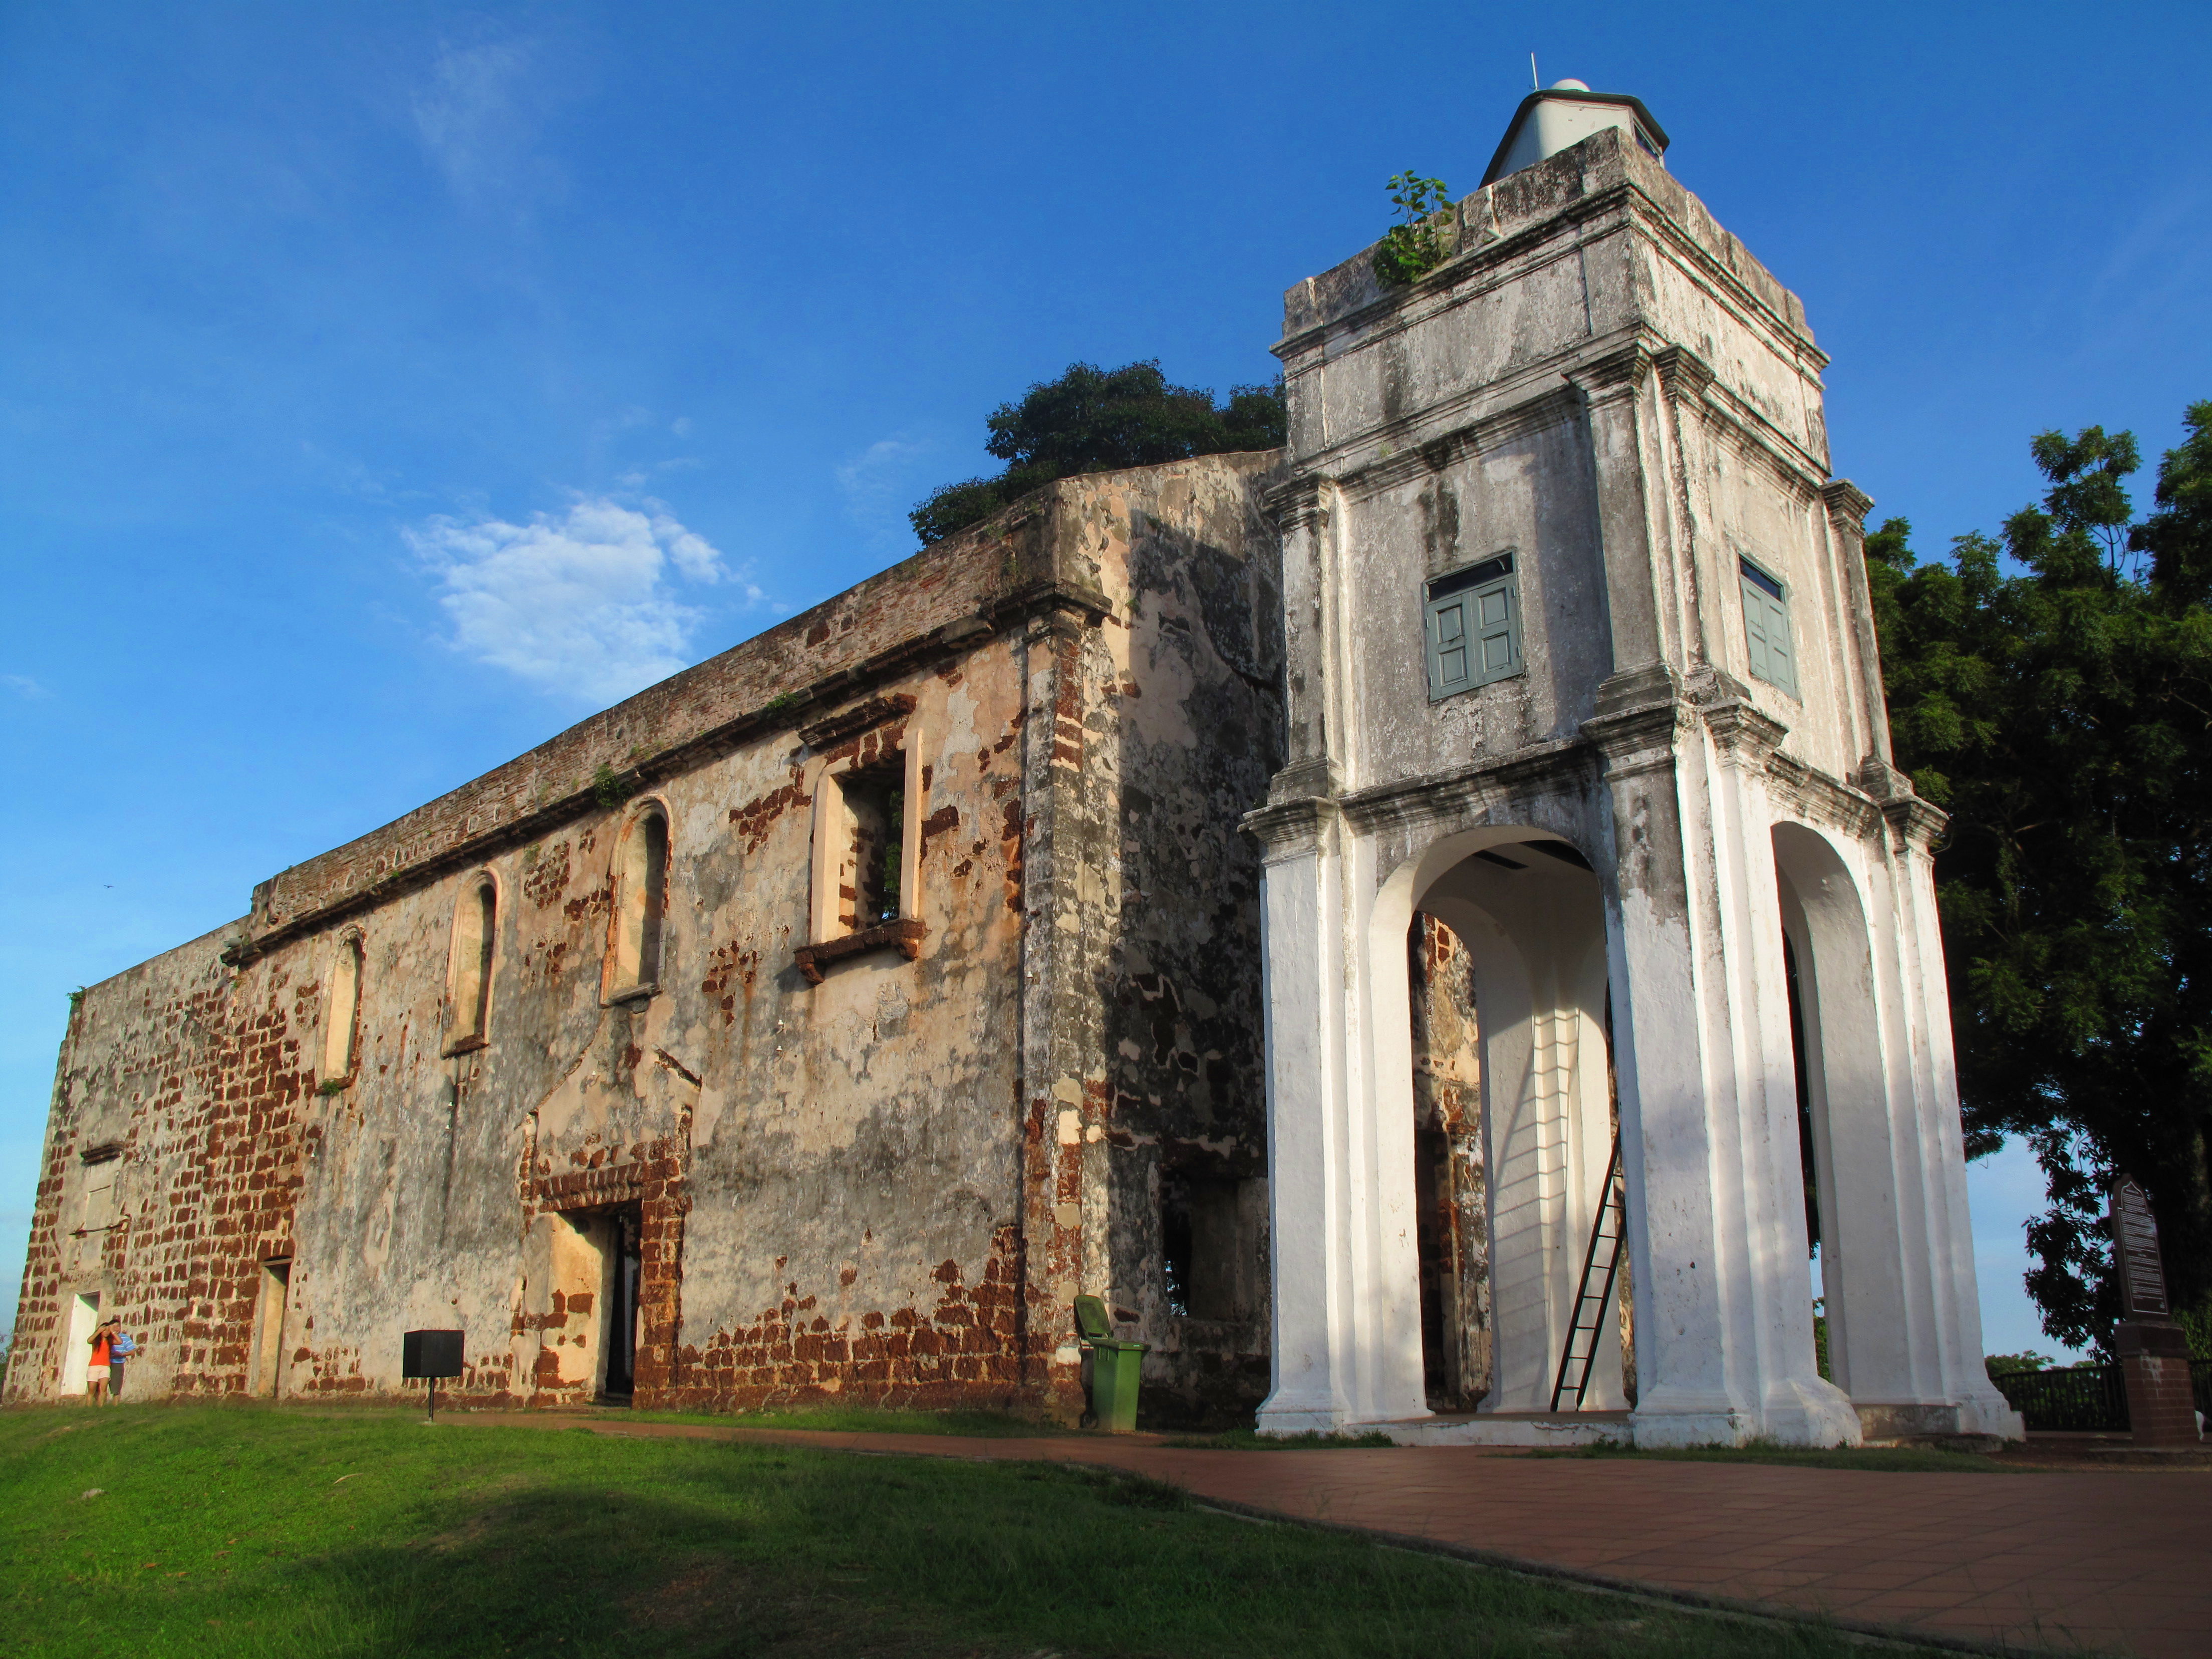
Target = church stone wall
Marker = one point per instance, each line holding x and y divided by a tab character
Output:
884	1186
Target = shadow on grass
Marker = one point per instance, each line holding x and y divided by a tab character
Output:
228	1533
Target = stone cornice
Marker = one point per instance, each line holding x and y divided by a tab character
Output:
1682	371
1639	711
1730	290
1693	383
1545	395
1615	373
1817	796
846	722
1629	204
1848	505
1289	828
1742	730
1393	464
1296	503
1468	274
1441	797
1915	822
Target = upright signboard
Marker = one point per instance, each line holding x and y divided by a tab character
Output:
430	1355
2151	1349
2135	1253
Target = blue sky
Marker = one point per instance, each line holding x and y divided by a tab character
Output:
384	387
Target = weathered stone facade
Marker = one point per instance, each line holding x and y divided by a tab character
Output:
824	1154
1580	666
819	1022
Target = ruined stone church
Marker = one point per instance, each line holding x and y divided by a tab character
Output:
1421	923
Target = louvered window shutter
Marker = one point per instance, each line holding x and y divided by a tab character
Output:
1766	629
1473	624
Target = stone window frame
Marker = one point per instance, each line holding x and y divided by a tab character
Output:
830	935
629	866
480	984
103	1167
1765	600
341	1009
1223	1207
1445	602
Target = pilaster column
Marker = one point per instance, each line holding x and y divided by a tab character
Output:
1306	517
1627	472
1848	506
1717	1331
1064	1221
1308	1184
1945	1379
1752	1090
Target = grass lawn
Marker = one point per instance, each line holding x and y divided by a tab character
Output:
246	1530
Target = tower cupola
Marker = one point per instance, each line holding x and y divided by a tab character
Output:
1566	112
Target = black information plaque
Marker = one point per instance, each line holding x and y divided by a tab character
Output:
2135	1253
430	1355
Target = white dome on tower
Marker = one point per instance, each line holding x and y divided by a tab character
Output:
1564	114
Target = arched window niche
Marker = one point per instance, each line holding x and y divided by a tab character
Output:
640	906
342	1016
476	932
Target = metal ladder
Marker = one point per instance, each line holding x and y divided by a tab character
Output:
1603	1257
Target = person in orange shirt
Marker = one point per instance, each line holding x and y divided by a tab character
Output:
103	1354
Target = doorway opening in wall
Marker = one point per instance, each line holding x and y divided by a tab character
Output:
269	1328
1518	1277
618	1335
77	1358
1802	1073
1449	1225
1854	1221
1203	1245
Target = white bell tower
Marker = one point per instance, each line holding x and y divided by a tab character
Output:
1581	666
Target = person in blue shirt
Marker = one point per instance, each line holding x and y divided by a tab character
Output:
120	1348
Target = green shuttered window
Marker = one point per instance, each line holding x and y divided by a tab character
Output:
1473	623
1766	629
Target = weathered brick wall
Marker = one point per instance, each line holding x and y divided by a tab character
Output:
196	1072
864	1187
1177	729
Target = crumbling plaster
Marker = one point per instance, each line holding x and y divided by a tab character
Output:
864	1187
1601	381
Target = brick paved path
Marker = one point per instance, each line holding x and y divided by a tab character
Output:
2119	1562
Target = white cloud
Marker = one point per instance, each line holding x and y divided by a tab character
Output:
581	601
478	115
25	687
878	485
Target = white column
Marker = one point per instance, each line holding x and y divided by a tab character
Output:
1942	1271
1385	1373
1307	1188
1723	1318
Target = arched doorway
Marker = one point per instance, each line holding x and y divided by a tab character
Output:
1451	1190
1852	1212
1513	1116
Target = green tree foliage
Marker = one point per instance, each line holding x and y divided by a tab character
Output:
2062	713
1095	420
1421	239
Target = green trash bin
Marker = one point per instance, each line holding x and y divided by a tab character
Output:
1116	1368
